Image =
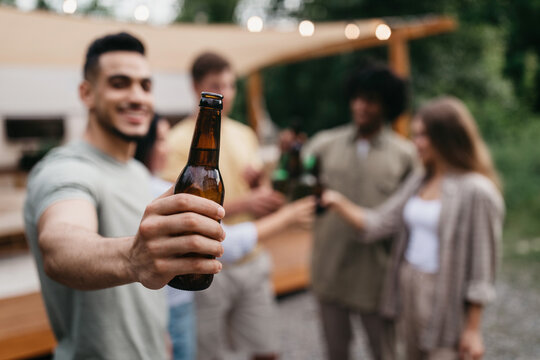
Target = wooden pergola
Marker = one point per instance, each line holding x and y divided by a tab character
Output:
47	39
402	31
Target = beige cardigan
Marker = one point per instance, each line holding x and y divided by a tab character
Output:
470	230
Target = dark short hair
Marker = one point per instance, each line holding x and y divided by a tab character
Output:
208	63
377	82
113	42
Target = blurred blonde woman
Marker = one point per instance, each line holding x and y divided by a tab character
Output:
448	222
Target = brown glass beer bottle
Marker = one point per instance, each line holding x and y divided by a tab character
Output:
201	175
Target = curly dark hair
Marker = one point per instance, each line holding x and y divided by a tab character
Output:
377	82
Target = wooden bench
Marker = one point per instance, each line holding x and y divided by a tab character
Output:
290	253
24	328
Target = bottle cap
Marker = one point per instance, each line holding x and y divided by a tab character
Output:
213	100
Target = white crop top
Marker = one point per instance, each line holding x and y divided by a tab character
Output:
422	219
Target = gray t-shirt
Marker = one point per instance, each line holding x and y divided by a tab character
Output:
123	322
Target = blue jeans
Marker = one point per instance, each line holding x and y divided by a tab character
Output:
182	330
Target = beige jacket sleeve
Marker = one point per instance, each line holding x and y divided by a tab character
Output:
486	233
387	219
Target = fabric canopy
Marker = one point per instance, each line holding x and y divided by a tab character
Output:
47	39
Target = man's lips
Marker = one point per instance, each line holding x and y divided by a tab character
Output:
135	116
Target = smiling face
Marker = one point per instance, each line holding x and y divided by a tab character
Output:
119	98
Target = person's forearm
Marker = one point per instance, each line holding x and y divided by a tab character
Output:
271	224
474	317
84	260
351	212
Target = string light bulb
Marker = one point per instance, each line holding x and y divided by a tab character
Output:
306	28
141	13
255	24
69	6
383	32
352	31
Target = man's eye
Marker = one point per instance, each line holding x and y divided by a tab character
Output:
146	85
119	83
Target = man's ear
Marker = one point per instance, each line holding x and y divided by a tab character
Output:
86	94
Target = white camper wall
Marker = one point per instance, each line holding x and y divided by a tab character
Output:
38	92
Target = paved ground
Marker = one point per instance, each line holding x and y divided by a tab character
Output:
512	323
511	327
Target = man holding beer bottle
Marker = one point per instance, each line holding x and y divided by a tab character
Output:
250	327
366	162
100	249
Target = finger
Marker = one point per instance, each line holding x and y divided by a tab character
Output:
477	355
305	213
307	202
265	208
189	223
305	226
325	199
181	245
261	211
329	198
308	199
306	222
189	265
463	352
274	200
266	204
277	195
177	203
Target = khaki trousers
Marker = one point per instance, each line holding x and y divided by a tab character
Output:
236	315
338	334
417	291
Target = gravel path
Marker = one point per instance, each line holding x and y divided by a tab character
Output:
511	326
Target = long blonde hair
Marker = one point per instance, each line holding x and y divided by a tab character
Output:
453	133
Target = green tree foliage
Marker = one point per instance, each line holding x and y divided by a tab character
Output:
467	63
524	49
519	164
211	11
96	8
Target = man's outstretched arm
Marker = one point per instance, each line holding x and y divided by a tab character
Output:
75	255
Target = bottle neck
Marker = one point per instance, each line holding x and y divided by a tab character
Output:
204	149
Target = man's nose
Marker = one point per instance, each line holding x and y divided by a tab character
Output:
138	95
